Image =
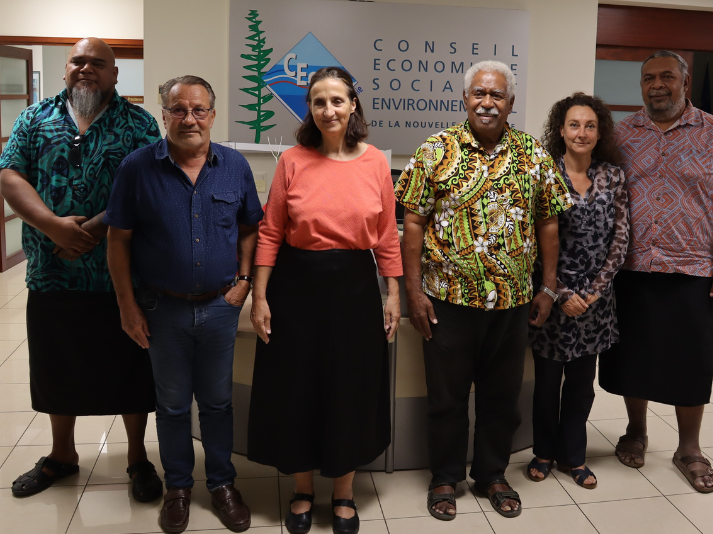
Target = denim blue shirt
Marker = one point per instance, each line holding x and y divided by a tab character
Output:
185	236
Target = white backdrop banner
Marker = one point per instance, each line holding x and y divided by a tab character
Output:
407	64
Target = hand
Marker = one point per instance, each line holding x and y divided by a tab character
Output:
95	227
260	317
591	299
540	308
133	322
421	314
67	233
63	254
392	314
575	306
238	294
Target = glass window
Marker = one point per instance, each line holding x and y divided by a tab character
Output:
13	237
617	82
9	111
13	76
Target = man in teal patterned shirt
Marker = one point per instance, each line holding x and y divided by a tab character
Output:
57	173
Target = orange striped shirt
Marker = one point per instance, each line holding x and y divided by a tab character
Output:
317	203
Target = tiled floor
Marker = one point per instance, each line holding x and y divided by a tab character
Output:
653	500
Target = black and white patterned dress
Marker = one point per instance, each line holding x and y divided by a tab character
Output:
593	235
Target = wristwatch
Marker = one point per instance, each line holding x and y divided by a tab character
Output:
549	292
248	279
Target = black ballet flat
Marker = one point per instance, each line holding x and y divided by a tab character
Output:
341	525
299	523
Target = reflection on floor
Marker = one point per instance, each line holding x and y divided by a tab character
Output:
653	500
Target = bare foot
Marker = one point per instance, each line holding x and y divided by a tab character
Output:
705	481
536	473
591	479
444	507
509	504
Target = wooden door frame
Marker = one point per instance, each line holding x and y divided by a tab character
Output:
123	48
19	53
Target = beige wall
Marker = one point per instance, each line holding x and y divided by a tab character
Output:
557	66
178	41
110	19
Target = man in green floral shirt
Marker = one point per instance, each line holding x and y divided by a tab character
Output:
57	172
482	197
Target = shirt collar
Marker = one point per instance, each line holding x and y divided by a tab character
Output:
163	152
691	115
467	138
112	108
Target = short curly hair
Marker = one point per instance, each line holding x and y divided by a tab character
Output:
606	148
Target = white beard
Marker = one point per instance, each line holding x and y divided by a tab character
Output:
85	102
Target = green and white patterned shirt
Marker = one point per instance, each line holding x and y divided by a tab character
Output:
39	147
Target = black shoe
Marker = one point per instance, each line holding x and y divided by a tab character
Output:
341	525
145	486
299	523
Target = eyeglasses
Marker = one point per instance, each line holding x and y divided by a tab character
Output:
180	113
75	151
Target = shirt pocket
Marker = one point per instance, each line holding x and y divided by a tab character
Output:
224	208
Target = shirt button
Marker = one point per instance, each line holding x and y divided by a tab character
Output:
656	221
658	198
654	242
198	263
195	192
197	240
196	215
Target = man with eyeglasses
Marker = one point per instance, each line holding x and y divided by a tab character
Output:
57	172
181	212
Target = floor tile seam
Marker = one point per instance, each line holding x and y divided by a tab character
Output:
602	434
378	499
575	502
86	484
684	515
669	500
21	435
660	496
428	515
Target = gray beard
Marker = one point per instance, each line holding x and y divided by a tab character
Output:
85	102
666	113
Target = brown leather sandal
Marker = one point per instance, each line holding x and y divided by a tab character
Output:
627	445
693	474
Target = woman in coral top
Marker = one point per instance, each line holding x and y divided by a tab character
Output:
320	396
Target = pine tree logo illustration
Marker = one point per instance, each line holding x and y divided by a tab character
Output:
259	59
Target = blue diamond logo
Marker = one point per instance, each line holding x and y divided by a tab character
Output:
288	79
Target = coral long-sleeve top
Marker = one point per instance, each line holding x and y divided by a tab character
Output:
317	203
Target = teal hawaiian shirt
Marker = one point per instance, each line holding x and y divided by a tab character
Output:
39	147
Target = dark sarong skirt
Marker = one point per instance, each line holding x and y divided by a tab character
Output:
666	331
81	361
320	392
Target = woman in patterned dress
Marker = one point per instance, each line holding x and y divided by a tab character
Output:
594	234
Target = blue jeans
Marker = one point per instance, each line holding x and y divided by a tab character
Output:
191	349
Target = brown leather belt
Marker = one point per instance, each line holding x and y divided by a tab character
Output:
186	296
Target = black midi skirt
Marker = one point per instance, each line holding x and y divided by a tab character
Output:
665	353
320	392
81	361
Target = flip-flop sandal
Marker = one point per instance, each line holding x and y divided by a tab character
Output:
626	445
692	474
542	467
146	486
579	475
435	498
498	498
36	480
